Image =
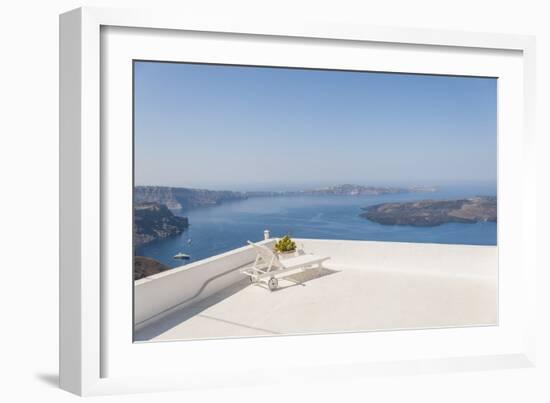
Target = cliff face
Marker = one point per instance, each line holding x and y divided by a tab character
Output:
184	198
156	194
192	198
145	266
430	213
153	221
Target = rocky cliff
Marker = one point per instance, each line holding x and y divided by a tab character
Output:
184	198
145	266
153	221
156	194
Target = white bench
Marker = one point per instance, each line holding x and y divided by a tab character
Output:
268	267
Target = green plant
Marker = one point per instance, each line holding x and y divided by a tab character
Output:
285	244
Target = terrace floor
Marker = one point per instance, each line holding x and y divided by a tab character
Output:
338	299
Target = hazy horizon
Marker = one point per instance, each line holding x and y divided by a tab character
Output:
250	128
311	186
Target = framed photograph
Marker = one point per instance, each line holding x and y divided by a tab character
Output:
290	199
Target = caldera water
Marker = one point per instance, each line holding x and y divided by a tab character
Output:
217	229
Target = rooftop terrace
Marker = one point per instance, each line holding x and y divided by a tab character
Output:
364	286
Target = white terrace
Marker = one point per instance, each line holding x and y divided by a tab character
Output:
364	286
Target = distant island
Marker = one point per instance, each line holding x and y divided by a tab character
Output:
176	198
345	190
153	221
430	213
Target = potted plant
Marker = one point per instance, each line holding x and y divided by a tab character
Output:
285	246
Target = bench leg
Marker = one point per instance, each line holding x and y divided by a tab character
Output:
319	269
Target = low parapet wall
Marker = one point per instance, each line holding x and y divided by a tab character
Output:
157	295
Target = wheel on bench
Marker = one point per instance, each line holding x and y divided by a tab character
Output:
273	283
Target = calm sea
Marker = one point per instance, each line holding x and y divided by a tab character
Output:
218	229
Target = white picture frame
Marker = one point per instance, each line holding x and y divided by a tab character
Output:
96	357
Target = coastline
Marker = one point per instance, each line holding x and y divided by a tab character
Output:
217	229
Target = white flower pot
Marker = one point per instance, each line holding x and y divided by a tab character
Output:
286	255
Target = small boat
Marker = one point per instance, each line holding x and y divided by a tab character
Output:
189	241
181	256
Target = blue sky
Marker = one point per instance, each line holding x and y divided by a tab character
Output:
230	127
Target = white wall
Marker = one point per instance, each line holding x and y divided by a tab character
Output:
28	168
155	296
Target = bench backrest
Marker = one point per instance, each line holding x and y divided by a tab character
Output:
267	255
